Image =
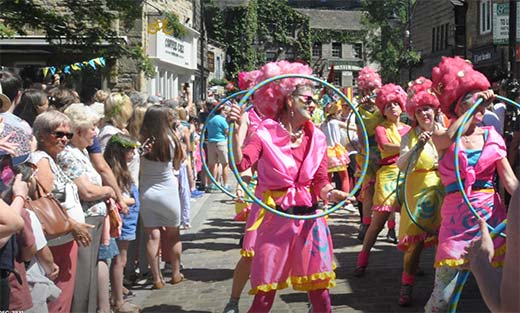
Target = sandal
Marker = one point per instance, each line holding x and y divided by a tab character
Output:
177	280
405	295
127	307
158	285
360	271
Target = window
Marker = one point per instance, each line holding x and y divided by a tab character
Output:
316	50
336	49
270	56
440	37
218	71
485	16
358	50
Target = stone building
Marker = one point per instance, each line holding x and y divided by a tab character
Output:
348	57
176	61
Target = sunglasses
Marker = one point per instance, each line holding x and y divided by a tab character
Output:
58	135
306	99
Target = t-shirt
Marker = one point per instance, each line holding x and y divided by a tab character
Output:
95	147
490	118
217	128
75	162
105	134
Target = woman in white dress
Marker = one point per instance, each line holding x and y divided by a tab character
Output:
159	192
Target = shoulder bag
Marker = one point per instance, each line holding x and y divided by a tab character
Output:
50	213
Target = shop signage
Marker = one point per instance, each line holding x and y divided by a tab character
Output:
173	50
485	55
501	23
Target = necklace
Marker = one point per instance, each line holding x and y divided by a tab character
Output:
294	135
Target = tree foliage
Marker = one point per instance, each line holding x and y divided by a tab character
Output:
70	25
387	22
249	31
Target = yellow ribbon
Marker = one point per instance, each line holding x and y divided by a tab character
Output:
268	198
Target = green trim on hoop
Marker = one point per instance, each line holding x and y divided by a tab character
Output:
201	145
233	166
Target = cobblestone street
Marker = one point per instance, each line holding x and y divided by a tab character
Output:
211	251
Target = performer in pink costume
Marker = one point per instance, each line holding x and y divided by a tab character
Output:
482	153
290	153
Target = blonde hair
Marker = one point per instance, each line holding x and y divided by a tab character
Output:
136	121
101	95
118	109
183	114
81	116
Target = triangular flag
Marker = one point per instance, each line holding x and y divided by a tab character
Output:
45	71
98	61
66	69
53	70
75	67
92	63
102	60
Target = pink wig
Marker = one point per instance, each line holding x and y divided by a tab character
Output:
270	99
452	79
390	93
368	79
419	95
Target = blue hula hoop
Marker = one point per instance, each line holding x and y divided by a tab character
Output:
258	201
497	231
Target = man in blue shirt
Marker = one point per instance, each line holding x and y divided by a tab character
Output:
217	130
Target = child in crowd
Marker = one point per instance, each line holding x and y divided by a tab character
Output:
119	152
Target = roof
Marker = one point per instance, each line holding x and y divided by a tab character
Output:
333	19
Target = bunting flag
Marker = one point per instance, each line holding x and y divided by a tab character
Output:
76	67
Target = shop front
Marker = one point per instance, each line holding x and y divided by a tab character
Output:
175	63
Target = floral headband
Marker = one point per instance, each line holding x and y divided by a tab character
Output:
124	142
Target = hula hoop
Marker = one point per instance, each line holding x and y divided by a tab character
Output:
201	145
414	154
465	120
497	231
464	275
233	166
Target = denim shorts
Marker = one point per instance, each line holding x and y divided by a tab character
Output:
109	251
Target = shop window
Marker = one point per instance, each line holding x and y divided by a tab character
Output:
337	78
336	49
485	16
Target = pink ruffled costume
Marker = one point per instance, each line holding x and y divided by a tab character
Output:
459	227
287	251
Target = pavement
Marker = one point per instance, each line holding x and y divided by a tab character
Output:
211	250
